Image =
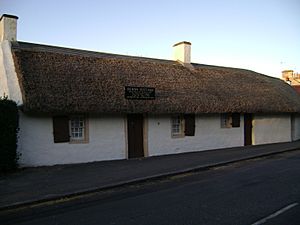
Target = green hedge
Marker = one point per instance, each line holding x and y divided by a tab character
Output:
9	127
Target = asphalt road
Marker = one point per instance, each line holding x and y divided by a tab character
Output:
265	191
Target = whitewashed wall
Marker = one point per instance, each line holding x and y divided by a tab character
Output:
9	84
107	138
271	129
208	135
106	142
3	79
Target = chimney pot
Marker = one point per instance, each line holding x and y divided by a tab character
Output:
8	27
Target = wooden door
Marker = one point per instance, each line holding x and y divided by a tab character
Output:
247	129
135	135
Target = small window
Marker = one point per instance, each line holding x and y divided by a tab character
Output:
177	125
72	129
78	129
225	120
229	120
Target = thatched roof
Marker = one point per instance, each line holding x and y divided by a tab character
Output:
60	80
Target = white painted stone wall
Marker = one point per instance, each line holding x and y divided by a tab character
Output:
107	138
208	135
296	127
3	78
9	83
271	129
106	142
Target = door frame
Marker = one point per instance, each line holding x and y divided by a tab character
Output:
145	135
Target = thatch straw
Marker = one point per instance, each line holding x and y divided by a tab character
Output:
58	80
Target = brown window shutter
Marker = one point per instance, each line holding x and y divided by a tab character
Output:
235	120
189	124
61	129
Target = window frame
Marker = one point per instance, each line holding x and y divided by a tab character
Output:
225	120
84	127
181	123
230	120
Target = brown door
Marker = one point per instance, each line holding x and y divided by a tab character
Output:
248	129
135	135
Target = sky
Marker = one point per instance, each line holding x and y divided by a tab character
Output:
260	35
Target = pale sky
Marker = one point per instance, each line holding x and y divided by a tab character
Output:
260	35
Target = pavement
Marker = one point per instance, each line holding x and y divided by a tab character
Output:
35	185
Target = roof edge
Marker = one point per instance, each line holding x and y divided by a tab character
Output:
22	45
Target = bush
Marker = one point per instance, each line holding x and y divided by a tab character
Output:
9	127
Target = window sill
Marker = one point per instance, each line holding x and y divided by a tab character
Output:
177	135
78	142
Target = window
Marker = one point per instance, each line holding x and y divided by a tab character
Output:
177	126
183	125
229	120
77	128
72	129
225	120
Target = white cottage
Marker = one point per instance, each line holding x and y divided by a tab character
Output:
81	106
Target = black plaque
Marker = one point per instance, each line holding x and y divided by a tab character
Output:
142	93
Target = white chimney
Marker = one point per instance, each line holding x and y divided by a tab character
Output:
182	52
8	28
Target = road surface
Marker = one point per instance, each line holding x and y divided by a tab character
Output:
264	191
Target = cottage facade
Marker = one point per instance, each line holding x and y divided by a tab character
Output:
81	106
